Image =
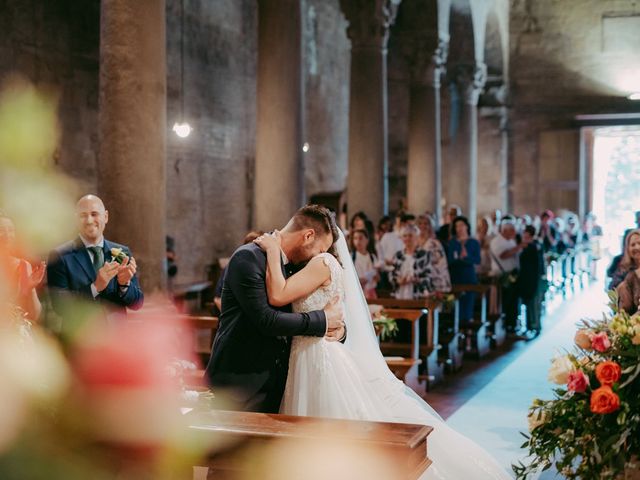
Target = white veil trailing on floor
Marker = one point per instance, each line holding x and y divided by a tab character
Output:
455	456
361	337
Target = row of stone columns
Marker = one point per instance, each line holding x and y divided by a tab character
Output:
132	122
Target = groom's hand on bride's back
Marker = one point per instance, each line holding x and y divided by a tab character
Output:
334	313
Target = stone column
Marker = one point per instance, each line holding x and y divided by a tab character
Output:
424	177
439	61
132	129
471	84
367	182
421	178
279	171
504	159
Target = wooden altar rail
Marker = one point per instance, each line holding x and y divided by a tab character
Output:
416	309
401	446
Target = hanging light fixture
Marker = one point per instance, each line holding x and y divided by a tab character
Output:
182	128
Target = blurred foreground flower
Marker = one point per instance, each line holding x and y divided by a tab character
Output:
38	199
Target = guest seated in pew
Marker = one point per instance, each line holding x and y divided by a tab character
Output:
18	279
464	255
410	276
366	263
531	282
440	278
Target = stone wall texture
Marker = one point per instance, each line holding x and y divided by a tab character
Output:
563	58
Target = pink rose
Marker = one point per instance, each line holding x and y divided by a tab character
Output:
600	342
578	381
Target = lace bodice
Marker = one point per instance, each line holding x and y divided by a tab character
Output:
319	298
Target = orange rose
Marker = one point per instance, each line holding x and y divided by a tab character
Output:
608	373
603	401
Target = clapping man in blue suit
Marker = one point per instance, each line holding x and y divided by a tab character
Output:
93	268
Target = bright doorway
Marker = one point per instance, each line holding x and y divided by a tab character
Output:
615	182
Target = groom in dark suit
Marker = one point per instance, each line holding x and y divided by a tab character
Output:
250	354
85	268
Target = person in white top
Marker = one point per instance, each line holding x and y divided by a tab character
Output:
391	242
366	263
505	253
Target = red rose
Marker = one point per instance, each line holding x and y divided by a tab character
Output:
603	401
608	373
578	381
600	342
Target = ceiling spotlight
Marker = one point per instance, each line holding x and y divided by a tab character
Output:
182	129
305	147
634	96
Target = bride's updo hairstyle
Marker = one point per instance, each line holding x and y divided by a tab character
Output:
321	220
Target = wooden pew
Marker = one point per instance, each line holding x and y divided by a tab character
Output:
451	338
495	317
477	332
406	369
191	297
246	435
430	349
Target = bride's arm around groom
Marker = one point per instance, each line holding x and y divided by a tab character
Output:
250	353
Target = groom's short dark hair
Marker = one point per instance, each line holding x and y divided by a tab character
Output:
317	217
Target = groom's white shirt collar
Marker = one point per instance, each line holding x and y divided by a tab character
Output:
285	260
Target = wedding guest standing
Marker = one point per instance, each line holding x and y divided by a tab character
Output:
410	275
547	234
366	263
439	274
530	280
444	232
505	253
484	235
464	255
18	279
89	268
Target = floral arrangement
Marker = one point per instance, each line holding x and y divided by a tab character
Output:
385	326
446	299
591	428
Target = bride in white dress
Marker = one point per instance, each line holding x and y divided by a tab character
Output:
352	380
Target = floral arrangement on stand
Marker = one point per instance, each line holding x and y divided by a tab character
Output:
591	428
447	300
386	327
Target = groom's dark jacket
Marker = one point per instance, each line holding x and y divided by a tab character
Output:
250	354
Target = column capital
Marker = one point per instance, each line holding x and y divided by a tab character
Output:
439	60
369	22
417	51
471	80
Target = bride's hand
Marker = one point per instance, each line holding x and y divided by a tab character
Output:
268	241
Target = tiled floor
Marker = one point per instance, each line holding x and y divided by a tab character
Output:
488	400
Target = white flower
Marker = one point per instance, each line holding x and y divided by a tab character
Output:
561	367
190	396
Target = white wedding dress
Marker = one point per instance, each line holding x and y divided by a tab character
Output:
352	381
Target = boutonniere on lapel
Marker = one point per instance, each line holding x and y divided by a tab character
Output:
118	255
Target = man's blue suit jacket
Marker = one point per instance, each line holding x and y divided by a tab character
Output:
70	273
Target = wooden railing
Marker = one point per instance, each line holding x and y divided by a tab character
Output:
402	447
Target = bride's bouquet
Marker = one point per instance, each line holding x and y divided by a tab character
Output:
591	428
